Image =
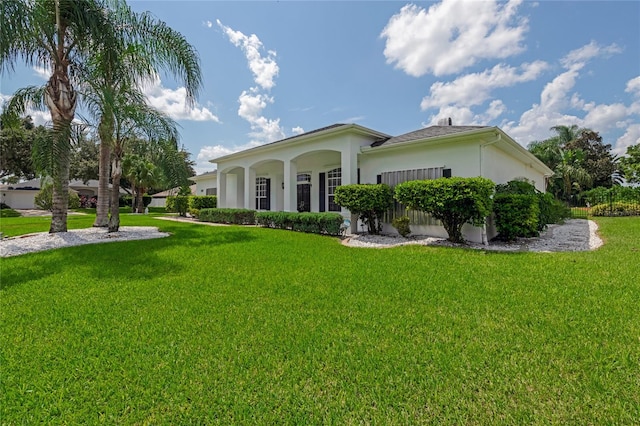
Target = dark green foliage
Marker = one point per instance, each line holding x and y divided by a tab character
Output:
454	201
4	206
630	164
315	223
230	216
551	210
125	201
203	202
7	212
402	225
516	215
178	204
617	208
367	201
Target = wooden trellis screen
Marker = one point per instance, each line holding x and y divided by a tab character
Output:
398	210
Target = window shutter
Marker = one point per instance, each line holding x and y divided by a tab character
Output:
268	199
322	191
378	179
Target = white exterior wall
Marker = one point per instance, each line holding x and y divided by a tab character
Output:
20	199
204	183
461	157
501	168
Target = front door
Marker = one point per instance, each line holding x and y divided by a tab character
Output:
304	197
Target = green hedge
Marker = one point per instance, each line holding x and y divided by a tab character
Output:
616	209
517	215
231	216
316	223
200	202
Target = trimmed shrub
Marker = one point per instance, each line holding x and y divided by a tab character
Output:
230	216
316	223
200	202
516	215
402	225
125	201
367	201
454	201
8	212
616	209
178	204
551	210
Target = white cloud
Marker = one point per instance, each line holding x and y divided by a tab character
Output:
264	68
633	86
210	152
297	130
207	24
453	35
557	96
173	103
630	137
475	89
43	72
254	101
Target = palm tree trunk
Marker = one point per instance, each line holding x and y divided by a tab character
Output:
139	200
60	98
102	208
116	175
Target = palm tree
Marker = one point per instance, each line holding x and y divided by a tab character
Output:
60	35
142	174
567	134
571	174
148	46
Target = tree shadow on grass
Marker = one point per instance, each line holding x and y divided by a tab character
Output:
130	260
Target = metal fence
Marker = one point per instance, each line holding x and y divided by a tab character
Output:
621	203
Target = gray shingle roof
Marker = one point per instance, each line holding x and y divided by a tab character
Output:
426	133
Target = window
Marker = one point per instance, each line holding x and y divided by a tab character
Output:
334	180
212	191
303	178
262	193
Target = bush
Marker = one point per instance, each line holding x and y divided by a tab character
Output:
194	212
231	216
454	201
44	198
125	201
200	202
402	225
516	215
7	212
601	195
178	204
551	210
367	201
616	209
4	206
316	223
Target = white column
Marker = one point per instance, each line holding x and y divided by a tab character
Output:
290	194
249	188
222	189
349	172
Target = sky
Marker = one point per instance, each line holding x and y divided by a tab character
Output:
276	69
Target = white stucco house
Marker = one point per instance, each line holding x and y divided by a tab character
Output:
22	195
301	173
206	183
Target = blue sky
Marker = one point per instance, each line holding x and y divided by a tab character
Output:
274	69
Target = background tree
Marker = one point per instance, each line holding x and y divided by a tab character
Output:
142	174
598	160
16	142
630	164
58	35
84	158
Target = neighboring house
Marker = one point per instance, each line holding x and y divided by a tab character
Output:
160	199
22	195
301	173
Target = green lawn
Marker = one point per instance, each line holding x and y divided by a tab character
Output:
237	325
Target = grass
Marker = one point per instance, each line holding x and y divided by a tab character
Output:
257	326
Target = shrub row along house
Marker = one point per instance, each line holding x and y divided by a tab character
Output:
301	173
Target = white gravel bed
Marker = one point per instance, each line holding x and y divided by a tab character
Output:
29	243
573	235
